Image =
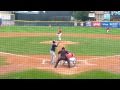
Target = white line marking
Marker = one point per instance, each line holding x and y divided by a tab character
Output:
99	57
75	67
43	62
88	63
85	61
104	57
21	55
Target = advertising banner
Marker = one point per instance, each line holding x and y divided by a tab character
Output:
114	24
96	24
110	24
105	24
88	24
119	25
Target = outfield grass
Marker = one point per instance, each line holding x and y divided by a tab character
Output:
40	74
54	29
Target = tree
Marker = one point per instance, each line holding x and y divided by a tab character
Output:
81	15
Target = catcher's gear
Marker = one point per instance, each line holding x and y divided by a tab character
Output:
73	60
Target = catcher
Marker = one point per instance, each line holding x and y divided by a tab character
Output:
71	58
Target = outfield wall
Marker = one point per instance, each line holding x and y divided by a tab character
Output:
103	24
45	23
66	23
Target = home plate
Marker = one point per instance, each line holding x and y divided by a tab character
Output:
43	62
75	67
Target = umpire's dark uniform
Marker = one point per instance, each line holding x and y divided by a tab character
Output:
62	57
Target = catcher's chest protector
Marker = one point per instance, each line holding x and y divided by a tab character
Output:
69	55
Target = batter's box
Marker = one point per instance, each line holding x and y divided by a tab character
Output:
46	61
84	62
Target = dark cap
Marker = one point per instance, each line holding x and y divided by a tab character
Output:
63	47
53	41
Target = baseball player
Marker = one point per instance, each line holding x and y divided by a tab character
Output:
52	51
59	34
0	22
71	57
108	29
49	25
62	57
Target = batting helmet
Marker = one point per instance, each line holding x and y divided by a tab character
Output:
54	41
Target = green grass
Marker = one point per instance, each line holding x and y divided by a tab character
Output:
31	74
24	45
54	29
2	61
40	74
94	46
96	74
86	46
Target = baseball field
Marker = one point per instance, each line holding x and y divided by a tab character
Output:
24	52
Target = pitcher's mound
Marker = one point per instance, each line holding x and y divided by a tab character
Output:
63	42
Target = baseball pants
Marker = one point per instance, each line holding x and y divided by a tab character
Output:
59	36
62	58
53	56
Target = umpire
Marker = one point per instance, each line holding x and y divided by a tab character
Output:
62	57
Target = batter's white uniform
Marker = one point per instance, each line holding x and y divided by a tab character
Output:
72	59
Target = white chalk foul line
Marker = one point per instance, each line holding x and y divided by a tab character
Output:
21	56
43	62
103	57
85	61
